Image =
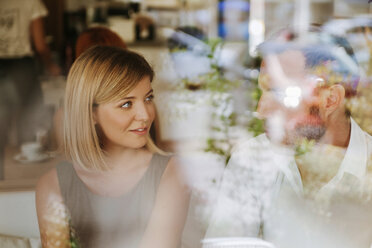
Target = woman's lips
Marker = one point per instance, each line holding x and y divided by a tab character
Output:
140	131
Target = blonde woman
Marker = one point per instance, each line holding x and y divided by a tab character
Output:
88	38
118	190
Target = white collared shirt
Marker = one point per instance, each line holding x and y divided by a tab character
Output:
262	195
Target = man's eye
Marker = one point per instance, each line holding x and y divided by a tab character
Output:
149	98
126	105
278	93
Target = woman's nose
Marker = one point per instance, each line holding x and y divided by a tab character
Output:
142	112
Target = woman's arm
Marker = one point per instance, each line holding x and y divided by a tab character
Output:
51	212
170	211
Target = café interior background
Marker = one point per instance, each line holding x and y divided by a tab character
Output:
205	122
241	25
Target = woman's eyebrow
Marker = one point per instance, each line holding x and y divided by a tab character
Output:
150	91
133	97
128	98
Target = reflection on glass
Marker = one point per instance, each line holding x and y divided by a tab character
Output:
307	180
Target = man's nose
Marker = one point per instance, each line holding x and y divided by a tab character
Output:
266	105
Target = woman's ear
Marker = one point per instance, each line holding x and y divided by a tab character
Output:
334	98
94	113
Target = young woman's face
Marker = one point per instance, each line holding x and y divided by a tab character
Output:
126	123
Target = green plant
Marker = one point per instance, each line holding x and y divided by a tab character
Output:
304	146
256	126
214	80
224	117
74	241
222	146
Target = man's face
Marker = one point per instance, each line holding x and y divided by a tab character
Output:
290	101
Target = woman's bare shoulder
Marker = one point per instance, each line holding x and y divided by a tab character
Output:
175	173
48	185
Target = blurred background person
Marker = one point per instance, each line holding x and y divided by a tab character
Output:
97	36
22	35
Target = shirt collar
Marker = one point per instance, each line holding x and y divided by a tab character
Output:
283	158
355	160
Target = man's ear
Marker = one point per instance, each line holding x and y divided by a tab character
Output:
334	98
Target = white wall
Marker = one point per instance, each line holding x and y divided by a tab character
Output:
18	214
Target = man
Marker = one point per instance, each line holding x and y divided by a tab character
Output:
306	181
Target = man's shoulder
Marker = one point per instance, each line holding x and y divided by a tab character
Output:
255	155
364	137
368	136
253	166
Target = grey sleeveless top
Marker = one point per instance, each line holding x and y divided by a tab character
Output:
101	221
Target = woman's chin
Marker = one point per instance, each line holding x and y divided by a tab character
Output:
139	145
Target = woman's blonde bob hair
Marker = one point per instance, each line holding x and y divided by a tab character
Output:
100	75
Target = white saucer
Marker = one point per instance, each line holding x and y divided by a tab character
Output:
40	158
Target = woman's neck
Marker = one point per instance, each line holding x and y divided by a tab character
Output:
116	156
126	170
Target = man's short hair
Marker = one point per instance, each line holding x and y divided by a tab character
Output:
327	56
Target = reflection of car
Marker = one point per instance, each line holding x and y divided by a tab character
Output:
358	31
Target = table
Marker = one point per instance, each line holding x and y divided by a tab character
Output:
19	176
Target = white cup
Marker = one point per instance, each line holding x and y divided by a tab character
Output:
31	150
236	242
42	137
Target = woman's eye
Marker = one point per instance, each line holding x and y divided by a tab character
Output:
126	105
149	98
